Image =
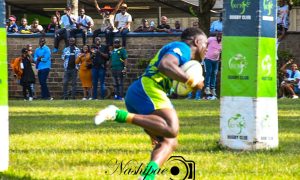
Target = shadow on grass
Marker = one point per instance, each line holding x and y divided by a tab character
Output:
8	176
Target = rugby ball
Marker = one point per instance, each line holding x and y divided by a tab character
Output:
194	69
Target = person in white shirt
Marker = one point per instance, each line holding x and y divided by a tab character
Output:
83	26
122	23
67	22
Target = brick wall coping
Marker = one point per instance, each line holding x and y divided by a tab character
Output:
130	34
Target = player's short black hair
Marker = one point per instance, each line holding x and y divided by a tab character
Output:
191	33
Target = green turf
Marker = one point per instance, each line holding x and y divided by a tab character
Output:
58	140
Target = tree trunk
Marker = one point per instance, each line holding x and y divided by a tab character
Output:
204	14
74	5
204	22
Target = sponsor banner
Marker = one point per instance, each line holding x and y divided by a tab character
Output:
250	18
239	66
266	68
245	75
267	18
249	128
4	139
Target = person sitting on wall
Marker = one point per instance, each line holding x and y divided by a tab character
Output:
12	27
145	27
83	26
290	85
108	14
67	22
122	22
177	28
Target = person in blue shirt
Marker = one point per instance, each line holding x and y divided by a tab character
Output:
42	58
146	99
216	26
24	27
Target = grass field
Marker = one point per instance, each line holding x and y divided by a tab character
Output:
58	140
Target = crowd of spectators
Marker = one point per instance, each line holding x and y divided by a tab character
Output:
93	61
90	61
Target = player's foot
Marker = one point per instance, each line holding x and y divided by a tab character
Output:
295	97
107	114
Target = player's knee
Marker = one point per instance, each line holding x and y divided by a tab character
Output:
172	133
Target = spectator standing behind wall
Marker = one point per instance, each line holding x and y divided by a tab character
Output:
100	56
177	28
42	58
24	28
69	55
12	27
35	27
216	26
122	22
145	27
54	25
164	26
108	26
83	26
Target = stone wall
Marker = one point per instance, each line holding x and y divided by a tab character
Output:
141	47
291	44
140	50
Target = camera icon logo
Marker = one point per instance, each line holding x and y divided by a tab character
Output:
181	169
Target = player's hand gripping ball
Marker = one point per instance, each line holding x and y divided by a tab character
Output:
194	69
